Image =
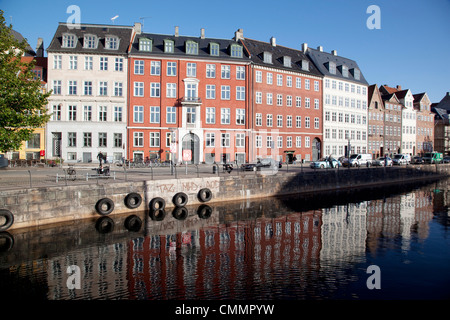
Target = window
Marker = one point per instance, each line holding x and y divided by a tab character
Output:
279	142
73	62
345	71
154	115
171	68
190	115
225	116
316	104
72	87
118	111
331	67
191	91
117	140
288	142
258	141
289	81
102	139
225	72
279	80
269	120
298	141
240	140
307	122
68	41
138	67
103	63
210	70
225	140
87	113
191	69
171	115
138	114
155	89
269	78
171	90
269	142
240	93
298	102
210	91
258	119
307	103
236	51
258	76
138	89
138	139
258	97
191	47
90	41
103	88
267	57
88	63
269	98
56	115
169	46
316	123
214	49
298	121
154	139
118	64
305	65
57	62
316	85
289	101
307	84
240	116
289	121
112	43
279	120
298	83
287	61
155	68
118	89
102	113
210	139
87	139
225	93
210	115
307	142
56	87
72	139
279	99
240	73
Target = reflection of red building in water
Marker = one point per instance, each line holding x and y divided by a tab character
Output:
224	261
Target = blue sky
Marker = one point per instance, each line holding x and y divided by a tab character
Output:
411	48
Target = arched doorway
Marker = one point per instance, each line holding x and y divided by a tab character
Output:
316	149
192	142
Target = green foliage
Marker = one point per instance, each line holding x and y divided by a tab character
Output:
23	106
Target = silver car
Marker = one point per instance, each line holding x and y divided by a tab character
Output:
383	161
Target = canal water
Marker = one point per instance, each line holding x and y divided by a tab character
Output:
383	243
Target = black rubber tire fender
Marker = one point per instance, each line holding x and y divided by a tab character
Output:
204	195
9	219
133	200
100	206
157	203
180	199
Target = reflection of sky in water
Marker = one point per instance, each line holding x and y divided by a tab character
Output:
268	249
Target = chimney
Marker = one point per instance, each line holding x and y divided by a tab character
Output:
40	47
202	33
239	35
320	48
137	27
273	42
399	88
304	47
177	31
334	53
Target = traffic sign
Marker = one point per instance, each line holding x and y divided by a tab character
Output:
187	155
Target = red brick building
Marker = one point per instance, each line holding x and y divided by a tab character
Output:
187	96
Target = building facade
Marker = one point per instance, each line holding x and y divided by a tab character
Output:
344	103
376	120
425	123
87	74
392	124
188	99
286	103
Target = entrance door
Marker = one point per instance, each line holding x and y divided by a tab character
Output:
192	142
56	144
315	149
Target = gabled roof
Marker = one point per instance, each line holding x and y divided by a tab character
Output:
257	48
29	52
390	97
101	31
445	102
157	41
373	93
322	58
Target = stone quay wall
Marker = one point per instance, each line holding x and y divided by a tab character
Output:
36	207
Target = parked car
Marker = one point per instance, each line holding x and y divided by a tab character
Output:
446	159
325	163
261	164
401	159
358	160
432	157
417	160
383	161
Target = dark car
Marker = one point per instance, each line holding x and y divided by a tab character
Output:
446	159
417	160
267	163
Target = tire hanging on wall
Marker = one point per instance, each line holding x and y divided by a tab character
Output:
204	195
133	200
104	206
157	204
9	219
180	213
180	199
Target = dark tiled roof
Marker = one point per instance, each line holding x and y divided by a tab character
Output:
180	46
18	36
445	102
101	31
440	113
321	58
257	48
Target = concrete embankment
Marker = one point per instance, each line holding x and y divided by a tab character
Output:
35	207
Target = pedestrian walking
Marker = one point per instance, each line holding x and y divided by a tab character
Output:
100	157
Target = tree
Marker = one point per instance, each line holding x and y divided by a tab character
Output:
23	105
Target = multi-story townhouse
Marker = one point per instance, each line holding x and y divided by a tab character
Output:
286	102
87	74
425	123
409	117
345	103
376	120
392	124
187	99
441	112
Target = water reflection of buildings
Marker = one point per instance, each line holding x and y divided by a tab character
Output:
243	249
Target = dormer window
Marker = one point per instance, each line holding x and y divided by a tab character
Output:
332	67
112	43
191	47
145	44
356	73
169	46
345	71
214	49
287	61
305	65
267	56
236	51
90	41
68	40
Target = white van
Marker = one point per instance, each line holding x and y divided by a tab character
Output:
358	160
400	159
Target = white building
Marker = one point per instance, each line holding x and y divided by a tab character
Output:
345	112
87	71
